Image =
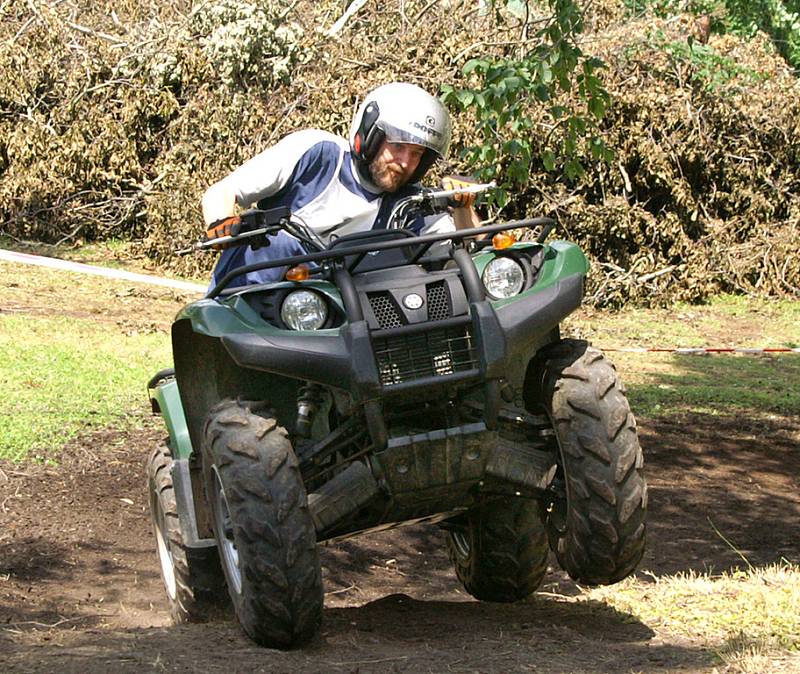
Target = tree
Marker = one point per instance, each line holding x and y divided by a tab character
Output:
546	71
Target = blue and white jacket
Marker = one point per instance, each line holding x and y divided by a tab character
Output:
313	174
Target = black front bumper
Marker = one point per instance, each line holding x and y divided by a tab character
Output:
373	365
348	360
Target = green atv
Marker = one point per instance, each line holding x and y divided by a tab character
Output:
399	378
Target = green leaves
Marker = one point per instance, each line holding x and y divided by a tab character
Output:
507	94
709	69
474	64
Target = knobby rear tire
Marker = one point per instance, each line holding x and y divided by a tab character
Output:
192	578
501	554
251	471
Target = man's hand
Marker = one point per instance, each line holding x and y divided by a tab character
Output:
463	200
230	226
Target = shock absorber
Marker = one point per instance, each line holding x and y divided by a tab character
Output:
309	399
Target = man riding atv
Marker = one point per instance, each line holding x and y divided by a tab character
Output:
407	368
336	188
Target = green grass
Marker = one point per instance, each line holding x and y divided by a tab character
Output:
62	376
750	619
723	384
664	384
727	320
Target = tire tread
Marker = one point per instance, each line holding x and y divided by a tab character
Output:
192	602
508	551
602	461
281	602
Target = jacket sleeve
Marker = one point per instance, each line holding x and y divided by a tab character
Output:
438	224
270	171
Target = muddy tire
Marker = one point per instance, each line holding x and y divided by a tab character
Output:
192	578
262	525
501	552
596	525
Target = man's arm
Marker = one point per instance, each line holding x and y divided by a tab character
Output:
219	201
269	171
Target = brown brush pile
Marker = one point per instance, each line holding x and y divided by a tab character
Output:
703	195
115	117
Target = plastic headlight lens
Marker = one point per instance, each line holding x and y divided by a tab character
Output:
304	310
503	278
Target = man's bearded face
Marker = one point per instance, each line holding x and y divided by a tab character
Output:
394	164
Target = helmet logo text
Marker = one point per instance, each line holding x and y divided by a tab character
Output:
427	129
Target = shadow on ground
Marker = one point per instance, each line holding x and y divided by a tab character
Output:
723	488
395	633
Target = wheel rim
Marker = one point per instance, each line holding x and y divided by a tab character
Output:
461	543
164	553
225	540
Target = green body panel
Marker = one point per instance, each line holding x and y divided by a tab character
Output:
169	403
561	259
217	318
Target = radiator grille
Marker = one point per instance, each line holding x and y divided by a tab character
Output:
435	353
438	301
385	310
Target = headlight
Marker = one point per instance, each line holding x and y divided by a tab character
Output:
304	310
503	278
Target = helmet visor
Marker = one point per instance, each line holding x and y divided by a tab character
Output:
415	134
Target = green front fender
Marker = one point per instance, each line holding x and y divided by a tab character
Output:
167	401
562	259
219	318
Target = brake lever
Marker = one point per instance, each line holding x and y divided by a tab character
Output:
441	196
220	240
266	222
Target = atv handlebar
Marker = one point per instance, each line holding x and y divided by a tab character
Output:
222	240
428	202
273	220
257	223
338	253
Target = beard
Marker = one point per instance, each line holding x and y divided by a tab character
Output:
389	177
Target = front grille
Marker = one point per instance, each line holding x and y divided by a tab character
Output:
386	313
438	352
438	301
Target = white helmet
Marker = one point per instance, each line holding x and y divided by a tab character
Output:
400	113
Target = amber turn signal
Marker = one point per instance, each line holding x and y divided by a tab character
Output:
503	240
298	273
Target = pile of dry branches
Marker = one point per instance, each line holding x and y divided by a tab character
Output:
114	117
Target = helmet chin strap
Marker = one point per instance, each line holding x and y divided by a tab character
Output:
427	160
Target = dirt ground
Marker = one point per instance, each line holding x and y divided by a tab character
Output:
80	589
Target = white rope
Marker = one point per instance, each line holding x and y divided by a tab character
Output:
66	265
703	350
